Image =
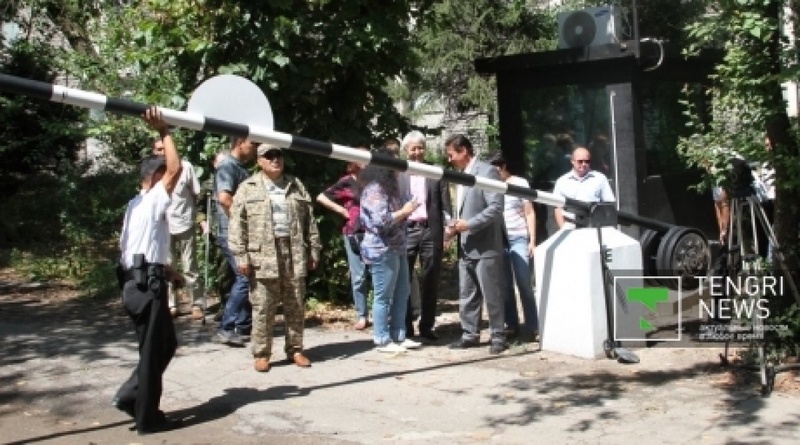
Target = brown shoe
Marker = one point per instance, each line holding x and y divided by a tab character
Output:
262	364
301	360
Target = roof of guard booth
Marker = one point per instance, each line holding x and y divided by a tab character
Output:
673	63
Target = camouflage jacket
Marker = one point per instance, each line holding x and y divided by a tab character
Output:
250	235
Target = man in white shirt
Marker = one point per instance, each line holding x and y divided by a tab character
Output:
581	183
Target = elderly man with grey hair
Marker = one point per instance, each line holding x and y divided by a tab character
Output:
425	234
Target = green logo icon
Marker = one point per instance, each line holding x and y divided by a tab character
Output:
650	297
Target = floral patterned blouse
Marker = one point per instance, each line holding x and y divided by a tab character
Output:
383	233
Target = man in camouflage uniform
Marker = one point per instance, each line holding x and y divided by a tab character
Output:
275	241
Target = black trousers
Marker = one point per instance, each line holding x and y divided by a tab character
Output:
155	333
421	244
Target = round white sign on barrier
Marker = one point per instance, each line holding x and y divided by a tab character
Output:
234	99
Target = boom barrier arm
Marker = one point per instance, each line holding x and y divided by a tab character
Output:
197	122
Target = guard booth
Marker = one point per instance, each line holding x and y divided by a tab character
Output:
621	101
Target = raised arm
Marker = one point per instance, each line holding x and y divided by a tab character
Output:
154	118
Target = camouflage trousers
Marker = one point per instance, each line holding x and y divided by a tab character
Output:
267	294
183	249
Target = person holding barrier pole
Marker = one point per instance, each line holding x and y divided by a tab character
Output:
143	273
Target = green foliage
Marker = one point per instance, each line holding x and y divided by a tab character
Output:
48	141
451	34
743	96
747	105
323	66
661	19
77	219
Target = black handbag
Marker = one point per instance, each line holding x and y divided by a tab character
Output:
355	240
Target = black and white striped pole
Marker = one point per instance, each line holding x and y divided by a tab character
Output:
577	325
265	134
262	131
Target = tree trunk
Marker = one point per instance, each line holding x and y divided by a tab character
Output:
785	158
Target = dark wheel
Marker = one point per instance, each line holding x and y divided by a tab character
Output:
649	240
683	253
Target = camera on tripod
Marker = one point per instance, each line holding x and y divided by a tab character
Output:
742	180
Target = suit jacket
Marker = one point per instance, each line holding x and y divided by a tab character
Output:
437	202
483	211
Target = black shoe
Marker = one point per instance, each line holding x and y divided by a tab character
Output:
463	344
529	337
511	333
124	406
164	425
497	347
429	335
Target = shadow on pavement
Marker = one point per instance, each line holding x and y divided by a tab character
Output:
68	433
35	327
338	351
603	391
233	399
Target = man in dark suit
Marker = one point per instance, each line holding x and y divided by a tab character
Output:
425	234
479	228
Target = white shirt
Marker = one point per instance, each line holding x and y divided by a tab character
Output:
182	211
514	210
592	187
145	228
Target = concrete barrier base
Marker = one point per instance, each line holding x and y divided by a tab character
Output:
569	290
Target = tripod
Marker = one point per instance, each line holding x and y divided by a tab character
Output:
748	202
742	263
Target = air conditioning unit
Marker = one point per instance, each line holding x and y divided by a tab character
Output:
588	27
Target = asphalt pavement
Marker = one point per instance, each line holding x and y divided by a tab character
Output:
59	371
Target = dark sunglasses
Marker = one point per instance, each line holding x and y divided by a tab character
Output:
583	161
270	155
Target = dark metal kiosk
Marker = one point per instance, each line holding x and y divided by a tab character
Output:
622	102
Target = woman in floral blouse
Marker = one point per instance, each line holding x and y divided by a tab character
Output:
383	218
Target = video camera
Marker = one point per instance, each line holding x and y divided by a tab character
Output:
741	178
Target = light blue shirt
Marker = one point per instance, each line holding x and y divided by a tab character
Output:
592	187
